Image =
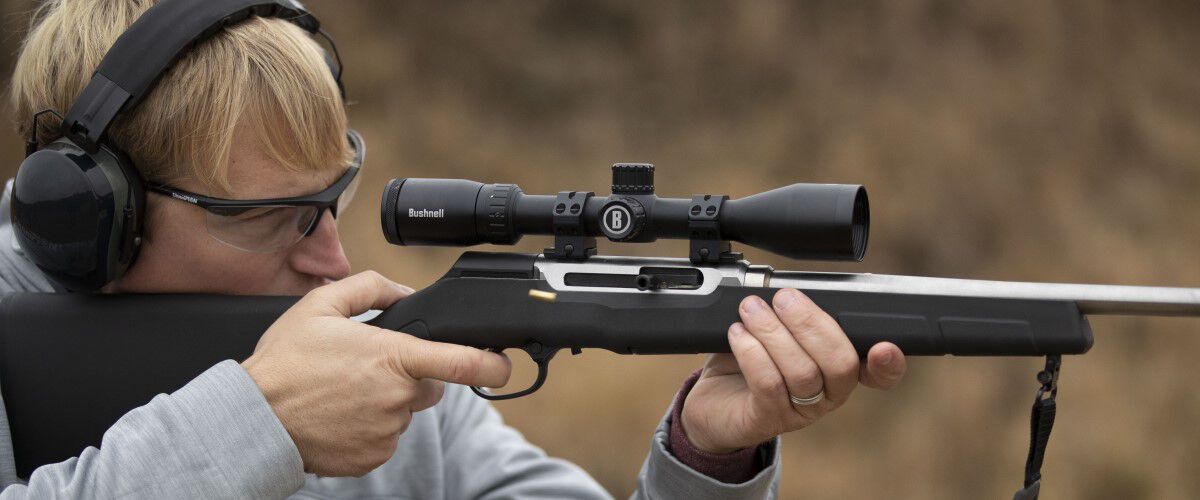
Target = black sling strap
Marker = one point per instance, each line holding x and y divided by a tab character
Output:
1041	420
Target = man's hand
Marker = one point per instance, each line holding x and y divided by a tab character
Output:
741	399
344	390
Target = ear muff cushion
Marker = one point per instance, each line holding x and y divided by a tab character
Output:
68	211
129	226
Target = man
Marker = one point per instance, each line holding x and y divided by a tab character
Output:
253	113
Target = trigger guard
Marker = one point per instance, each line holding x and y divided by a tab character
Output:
542	358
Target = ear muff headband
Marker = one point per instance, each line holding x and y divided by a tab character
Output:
140	57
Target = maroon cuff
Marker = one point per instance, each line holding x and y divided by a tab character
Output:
735	467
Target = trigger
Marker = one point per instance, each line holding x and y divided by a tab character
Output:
541	356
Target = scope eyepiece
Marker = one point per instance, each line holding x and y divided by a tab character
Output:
801	221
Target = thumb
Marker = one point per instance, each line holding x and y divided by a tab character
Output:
354	295
419	358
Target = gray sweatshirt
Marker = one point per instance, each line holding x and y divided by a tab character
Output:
217	437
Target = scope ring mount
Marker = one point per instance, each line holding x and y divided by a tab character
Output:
571	241
706	246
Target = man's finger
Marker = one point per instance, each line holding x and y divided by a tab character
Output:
355	295
761	375
884	368
823	339
452	363
800	372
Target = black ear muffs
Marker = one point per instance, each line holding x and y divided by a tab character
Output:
77	215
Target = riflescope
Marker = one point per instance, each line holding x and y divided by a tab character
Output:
801	221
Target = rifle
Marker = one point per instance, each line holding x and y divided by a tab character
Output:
110	354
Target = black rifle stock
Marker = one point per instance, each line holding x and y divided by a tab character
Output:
72	364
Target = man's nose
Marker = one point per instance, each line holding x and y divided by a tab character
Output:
320	253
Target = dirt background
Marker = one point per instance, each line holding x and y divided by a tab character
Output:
1022	140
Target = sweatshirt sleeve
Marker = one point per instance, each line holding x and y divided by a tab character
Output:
735	467
487	459
216	437
664	475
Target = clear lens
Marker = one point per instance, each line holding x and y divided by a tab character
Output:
348	195
260	229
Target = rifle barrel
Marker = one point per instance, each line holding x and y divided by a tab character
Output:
1091	299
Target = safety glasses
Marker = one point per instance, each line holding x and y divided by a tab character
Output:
272	224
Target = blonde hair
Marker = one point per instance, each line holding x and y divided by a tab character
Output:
267	74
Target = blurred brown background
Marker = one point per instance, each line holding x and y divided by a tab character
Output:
1017	140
